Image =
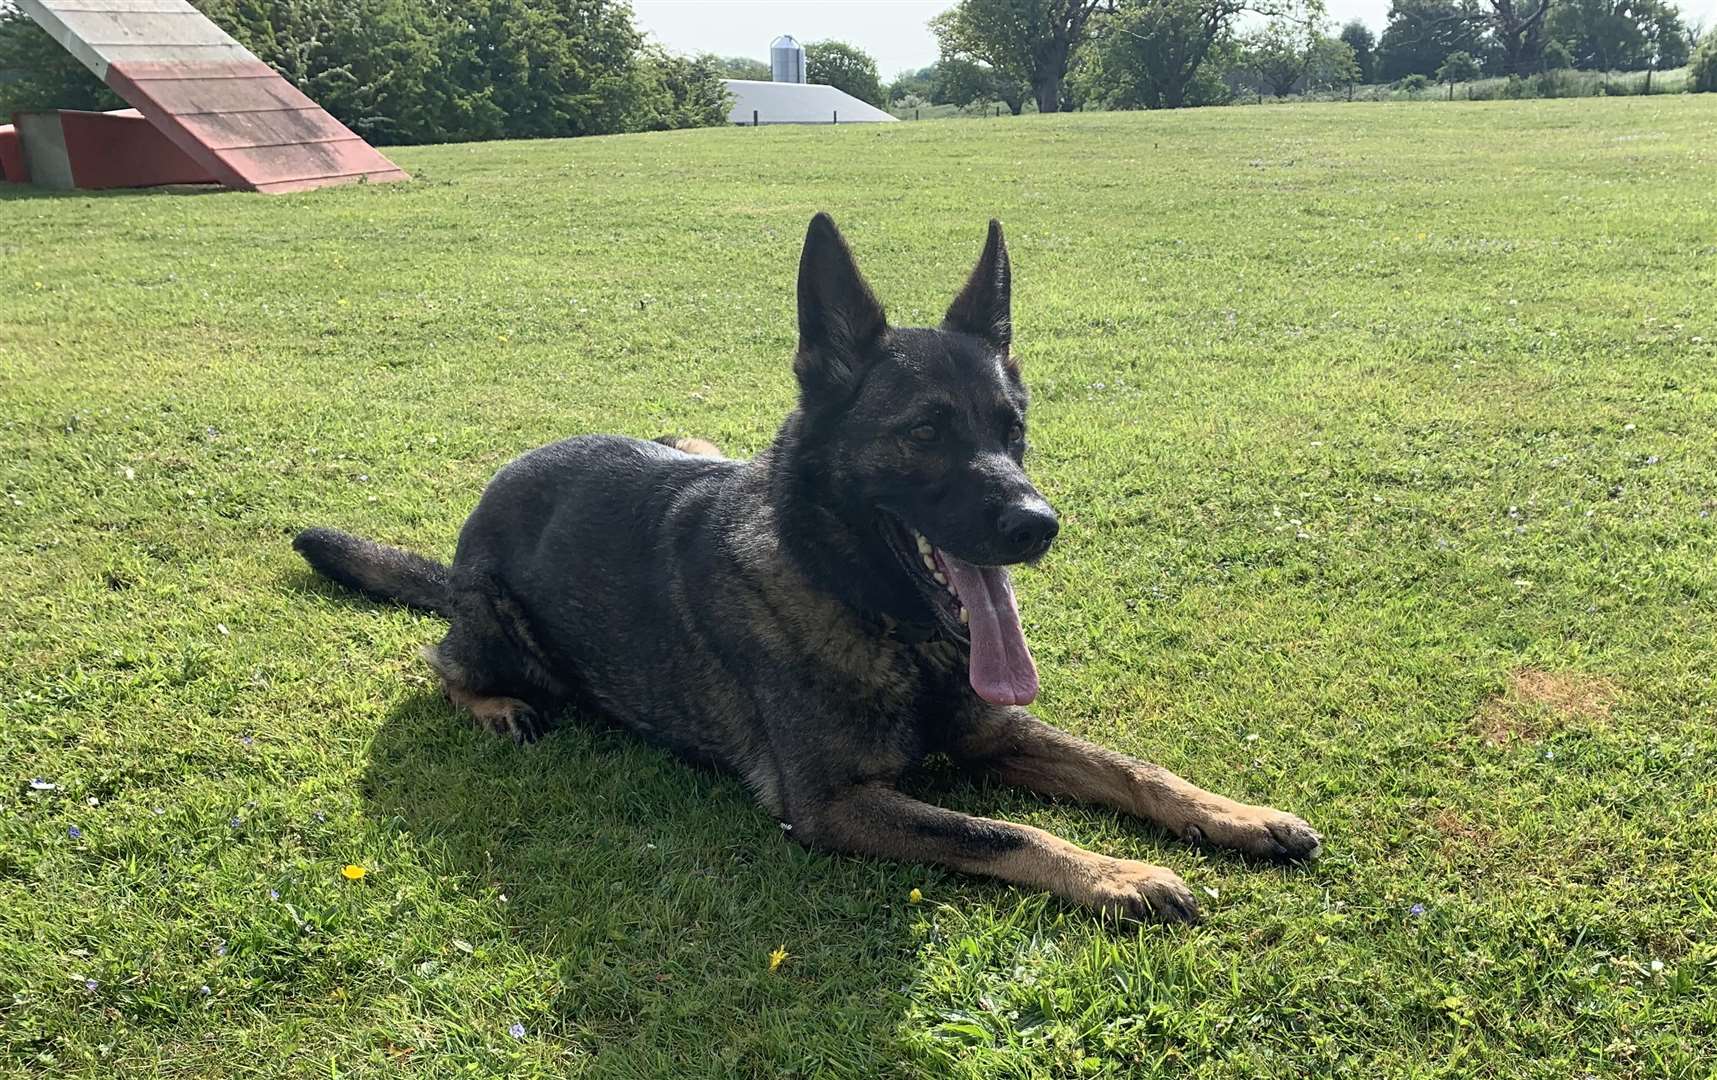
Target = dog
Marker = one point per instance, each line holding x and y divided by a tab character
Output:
817	619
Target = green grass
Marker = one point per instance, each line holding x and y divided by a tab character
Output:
1351	414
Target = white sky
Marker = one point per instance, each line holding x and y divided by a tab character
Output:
893	31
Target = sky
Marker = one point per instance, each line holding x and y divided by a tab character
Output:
893	31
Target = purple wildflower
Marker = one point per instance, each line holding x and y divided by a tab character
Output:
91	985
204	990
274	894
517	1031
75	833
1417	910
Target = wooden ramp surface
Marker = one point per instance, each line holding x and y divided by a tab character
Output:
212	97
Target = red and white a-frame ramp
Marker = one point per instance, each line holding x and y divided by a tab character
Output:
211	97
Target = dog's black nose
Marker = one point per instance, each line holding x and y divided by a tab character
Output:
1028	527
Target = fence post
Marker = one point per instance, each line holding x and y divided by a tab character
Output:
1648	80
837	115
753	117
915	114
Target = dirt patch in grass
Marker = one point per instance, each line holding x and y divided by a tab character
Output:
1537	702
1457	832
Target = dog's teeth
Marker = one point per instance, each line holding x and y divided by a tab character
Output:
965	616
929	563
941	578
923	544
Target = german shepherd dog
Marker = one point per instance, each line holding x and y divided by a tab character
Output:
818	619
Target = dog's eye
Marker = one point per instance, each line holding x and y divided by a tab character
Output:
1016	433
925	433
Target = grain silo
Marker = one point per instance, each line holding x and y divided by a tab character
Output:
786	60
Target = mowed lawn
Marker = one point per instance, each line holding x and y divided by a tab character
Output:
1386	443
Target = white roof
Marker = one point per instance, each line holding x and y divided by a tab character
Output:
798	103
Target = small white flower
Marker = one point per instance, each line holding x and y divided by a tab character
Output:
222	627
1656	966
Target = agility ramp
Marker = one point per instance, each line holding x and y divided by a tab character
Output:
229	112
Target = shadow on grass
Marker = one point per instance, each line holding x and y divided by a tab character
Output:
657	891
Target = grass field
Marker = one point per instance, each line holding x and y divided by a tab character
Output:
1384	442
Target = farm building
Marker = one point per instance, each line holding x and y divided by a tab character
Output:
788	99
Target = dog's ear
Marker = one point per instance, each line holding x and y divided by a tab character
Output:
839	317
984	307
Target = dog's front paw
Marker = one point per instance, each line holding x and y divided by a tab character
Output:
1257	830
1141	891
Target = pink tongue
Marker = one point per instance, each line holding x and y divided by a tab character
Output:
1002	671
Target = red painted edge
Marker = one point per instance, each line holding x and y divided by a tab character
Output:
12	168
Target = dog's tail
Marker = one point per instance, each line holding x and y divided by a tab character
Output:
376	570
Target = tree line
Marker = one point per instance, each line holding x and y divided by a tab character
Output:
421	71
1071	54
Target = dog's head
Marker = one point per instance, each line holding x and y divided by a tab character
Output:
920	436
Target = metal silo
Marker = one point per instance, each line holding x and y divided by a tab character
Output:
786	60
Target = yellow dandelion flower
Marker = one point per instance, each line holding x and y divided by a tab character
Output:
914	897
777	958
353	872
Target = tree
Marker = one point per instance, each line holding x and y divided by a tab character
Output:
1332	63
1026	41
743	67
678	92
1277	55
918	83
1667	40
1359	38
1422	32
963	83
1702	68
42	75
846	68
1556	57
1158	54
1518	27
1625	35
1458	67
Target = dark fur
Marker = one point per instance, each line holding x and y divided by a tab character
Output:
755	615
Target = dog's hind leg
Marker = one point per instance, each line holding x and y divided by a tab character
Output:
501	714
491	667
689	445
1021	749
